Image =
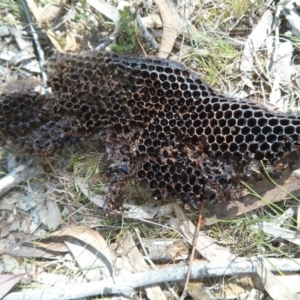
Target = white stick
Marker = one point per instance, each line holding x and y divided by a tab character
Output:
126	284
15	177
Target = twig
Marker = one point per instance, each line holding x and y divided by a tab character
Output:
145	33
200	222
14	178
37	45
152	264
126	284
109	39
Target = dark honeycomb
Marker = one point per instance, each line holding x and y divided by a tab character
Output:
161	125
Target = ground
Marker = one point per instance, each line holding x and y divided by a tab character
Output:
53	230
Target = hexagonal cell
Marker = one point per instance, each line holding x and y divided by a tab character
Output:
167	177
153	136
147	166
251	122
225	130
178	187
162	185
243	147
172	123
256	130
148	142
233	147
237	114
264	146
262	122
214	147
220	139
266	130
153	184
145	74
188	123
231	123
278	129
187	95
222	123
158	176
169	94
151	151
207	131
249	138
178	93
156	143
284	122
141	174
229	139
167	129
239	138
223	147
289	129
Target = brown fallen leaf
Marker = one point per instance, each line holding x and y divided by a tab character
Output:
255	40
139	264
28	249
51	35
89	249
7	282
54	247
166	249
273	286
53	215
198	291
172	24
205	245
71	44
49	12
291	281
265	189
131	211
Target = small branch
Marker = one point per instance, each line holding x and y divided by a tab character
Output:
109	39
147	257
187	280
145	33
37	45
126	284
14	178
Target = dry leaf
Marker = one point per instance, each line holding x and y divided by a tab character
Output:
198	291
138	263
7	282
28	249
255	40
273	286
90	251
53	215
35	11
291	281
131	211
264	188
172	24
206	246
109	11
165	249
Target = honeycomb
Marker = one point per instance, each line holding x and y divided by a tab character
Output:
161	124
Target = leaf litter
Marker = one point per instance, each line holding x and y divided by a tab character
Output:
89	247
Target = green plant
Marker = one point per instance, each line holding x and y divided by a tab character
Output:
127	40
239	7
